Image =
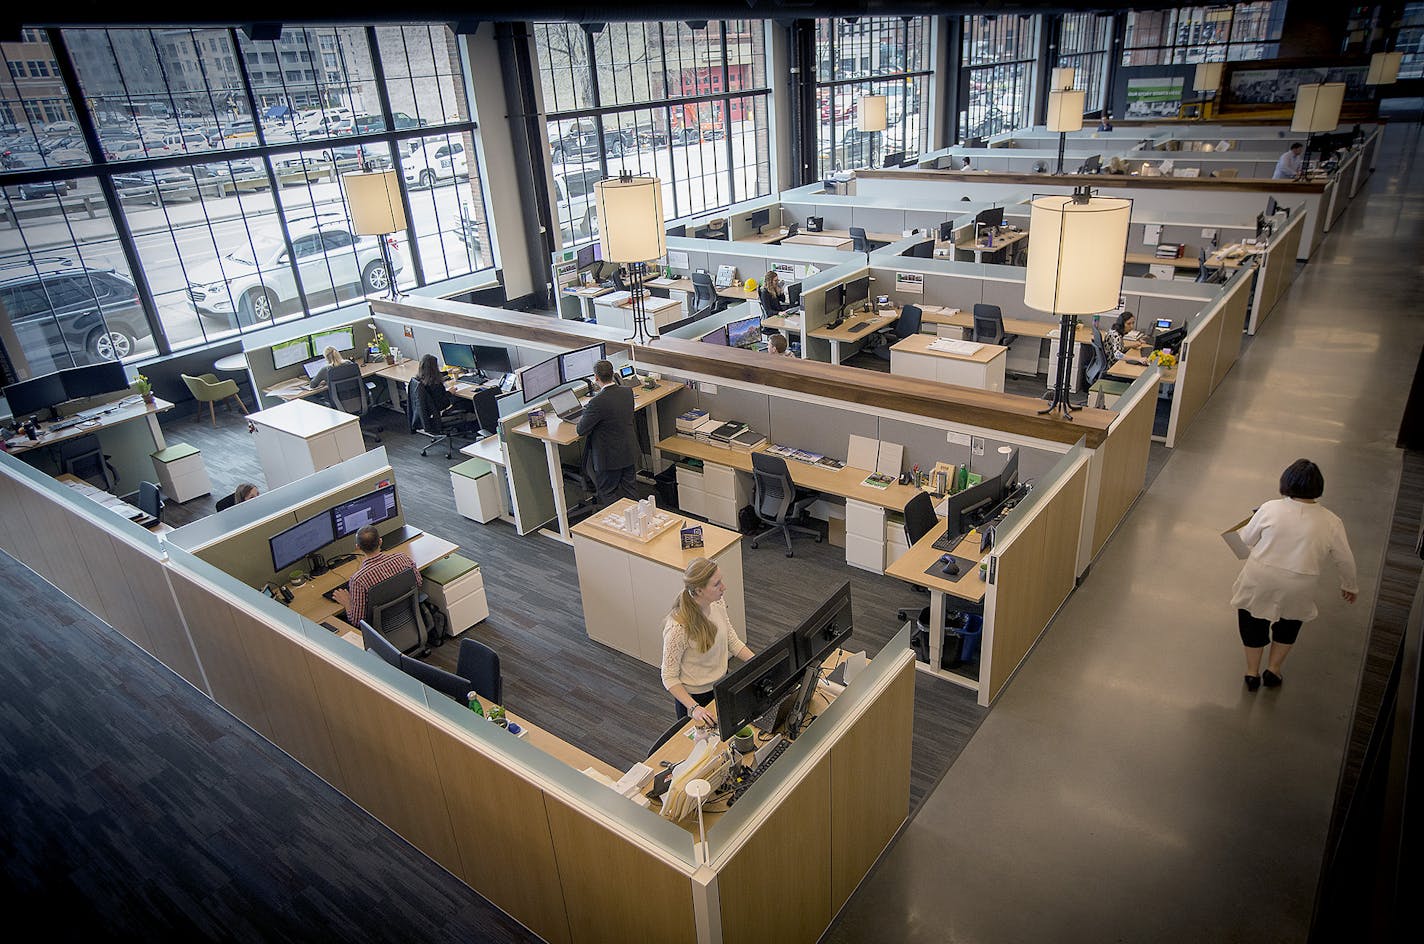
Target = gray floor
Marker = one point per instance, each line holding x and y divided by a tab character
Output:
1126	787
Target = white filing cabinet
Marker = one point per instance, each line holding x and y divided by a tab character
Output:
717	493
181	472
298	438
457	585
865	536
476	490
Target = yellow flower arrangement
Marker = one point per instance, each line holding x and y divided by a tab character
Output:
1163	359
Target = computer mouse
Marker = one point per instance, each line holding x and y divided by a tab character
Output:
1134	360
950	568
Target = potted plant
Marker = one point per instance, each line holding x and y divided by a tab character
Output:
745	740
144	388
384	348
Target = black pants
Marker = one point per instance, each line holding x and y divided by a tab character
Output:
704	699
1256	632
613	484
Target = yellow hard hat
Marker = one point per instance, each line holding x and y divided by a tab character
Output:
751	285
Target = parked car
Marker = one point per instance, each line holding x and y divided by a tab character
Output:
435	162
403	122
159	186
583	147
355	156
254	281
71	310
576	209
42	188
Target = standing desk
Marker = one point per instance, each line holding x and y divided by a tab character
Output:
558	433
297	389
661	312
967	588
131	444
398	375
298	438
628	585
585	295
1001	242
424	549
844	333
984	369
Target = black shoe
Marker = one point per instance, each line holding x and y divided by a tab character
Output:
1271	679
1253	682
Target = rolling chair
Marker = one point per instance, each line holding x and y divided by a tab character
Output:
860	240
1097	364
206	388
667	735
480	665
908	326
705	300
777	500
617	279
920	520
83	457
346	391
393	610
438	427
150	500
1205	274
989	325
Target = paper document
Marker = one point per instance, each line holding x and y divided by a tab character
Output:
863	452
1232	537
662	282
955	346
888	462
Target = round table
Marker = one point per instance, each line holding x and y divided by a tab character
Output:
233	362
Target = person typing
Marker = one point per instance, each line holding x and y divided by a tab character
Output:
698	639
376	565
1290	163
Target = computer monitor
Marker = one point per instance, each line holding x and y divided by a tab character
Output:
343	339
585	256
575	365
1163	324
604	271
303	538
994	216
759	218
791	230
539	379
677	230
922	250
1170	339
946	231
1009	474
314	366
371	508
291	353
967	508
825	630
744	333
793	294
94	380
492	359
1092	165
856	291
1260	224
458	355
1270	206
894	159
38	393
717	335
756	686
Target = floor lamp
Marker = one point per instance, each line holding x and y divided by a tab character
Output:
1079	244
1317	109
1207	78
373	200
871	118
631	233
1065	114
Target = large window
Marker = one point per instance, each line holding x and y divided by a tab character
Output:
689	106
1000	55
1083	45
1203	34
222	156
1410	42
871	56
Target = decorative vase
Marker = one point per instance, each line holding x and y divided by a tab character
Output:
147	398
390	358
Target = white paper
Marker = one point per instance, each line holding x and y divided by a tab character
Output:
677	259
889	459
909	283
863	452
955	346
1151	234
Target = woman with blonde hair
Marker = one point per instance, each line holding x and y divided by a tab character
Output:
770	295
333	358
698	639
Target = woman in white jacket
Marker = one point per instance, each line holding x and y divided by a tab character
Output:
1290	540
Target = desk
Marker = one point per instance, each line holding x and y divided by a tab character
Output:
661	312
1023	358
732	293
628	586
297	438
490	450
824	240
399	375
233	363
1000	243
558	433
984	369
585	296
874	321
297	389
424	550
1122	370
131	443
110	501
967	588
778	236
1148	259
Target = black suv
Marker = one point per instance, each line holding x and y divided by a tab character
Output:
68	310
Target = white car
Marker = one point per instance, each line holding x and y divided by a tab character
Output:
253	282
435	162
577	211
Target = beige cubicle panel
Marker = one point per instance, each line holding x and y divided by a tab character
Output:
1123	458
1277	270
1232	315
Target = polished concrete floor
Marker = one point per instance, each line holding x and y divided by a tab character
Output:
1127	787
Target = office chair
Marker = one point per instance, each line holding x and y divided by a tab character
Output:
617	279
150	500
346	391
379	644
667	735
486	410
861	241
1098	363
480	665
777	500
393	609
1205	274
446	683
206	388
908	326
705	300
83	457
920	520
989	326
423	418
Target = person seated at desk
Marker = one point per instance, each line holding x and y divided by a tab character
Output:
1121	337
1106	123
239	495
772	298
1290	164
333	358
777	344
698	639
432	387
376	565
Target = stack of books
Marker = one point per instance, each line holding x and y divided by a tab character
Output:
747	440
1169	250
724	433
688	422
703	433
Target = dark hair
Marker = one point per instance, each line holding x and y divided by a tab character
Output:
1295	145
1302	479
243	492
603	371
429	372
1121	323
368	539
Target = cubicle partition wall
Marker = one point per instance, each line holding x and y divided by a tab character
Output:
1119	465
258	347
1212	345
1276	269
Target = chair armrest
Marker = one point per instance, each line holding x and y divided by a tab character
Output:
1009	339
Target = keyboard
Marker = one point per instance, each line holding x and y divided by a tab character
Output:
744	782
331	594
860	327
947	542
470	379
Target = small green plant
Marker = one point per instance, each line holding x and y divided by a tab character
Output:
382	345
144	388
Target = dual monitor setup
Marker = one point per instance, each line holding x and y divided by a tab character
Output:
848	294
47	392
590	260
744	333
542	378
309	536
476	361
309	351
980	504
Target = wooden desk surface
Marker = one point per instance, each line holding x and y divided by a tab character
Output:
911	566
736	293
108	500
566	433
1122	370
920	344
824	240
297	389
588	291
875	319
1019	326
781	324
1221	259
404	371
845	482
1002	241
666	548
1147	258
49	436
307	599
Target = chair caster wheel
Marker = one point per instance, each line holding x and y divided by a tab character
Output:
818	539
790	554
754	544
440	642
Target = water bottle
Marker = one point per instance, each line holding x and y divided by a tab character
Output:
473	700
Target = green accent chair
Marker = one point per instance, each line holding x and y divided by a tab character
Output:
207	388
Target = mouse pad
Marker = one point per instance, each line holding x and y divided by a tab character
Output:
966	567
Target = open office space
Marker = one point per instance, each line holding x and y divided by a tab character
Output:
1018	529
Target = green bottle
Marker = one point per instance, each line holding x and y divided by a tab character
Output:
474	702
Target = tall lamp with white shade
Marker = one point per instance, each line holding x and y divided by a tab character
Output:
1317	109
1384	68
630	221
374	202
1074	268
1207	78
1065	114
871	117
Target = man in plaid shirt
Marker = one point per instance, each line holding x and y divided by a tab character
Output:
376	566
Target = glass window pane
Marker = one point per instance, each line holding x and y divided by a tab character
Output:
424	78
443	179
38	119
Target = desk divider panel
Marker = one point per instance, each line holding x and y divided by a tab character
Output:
1122	459
1233	304
1277	269
816	427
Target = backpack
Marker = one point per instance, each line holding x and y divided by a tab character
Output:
437	624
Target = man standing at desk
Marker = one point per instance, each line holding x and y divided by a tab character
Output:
1288	167
607	426
376	565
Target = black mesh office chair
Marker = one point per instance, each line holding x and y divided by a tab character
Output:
989	326
438	427
380	645
667	735
861	241
393	609
1205	274
1098	365
346	391
83	457
908	325
480	664
777	500
150	500
705	300
617	279
486	410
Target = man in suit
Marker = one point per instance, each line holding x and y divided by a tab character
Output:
610	439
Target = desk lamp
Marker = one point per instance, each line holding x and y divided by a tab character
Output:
1065	114
1207	78
1074	268
1317	109
630	220
374	202
871	117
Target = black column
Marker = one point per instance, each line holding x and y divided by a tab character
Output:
802	37
529	140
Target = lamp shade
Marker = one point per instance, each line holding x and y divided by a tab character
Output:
630	218
374	203
1076	254
1384	68
1207	77
870	115
1062	78
1317	107
1065	110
